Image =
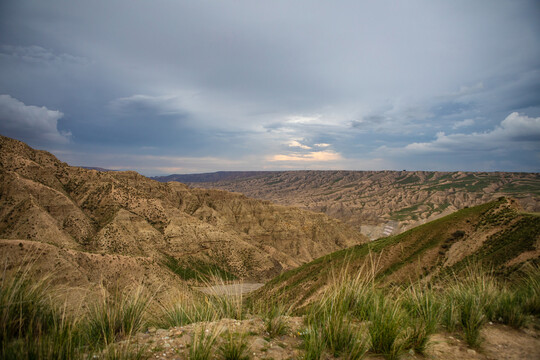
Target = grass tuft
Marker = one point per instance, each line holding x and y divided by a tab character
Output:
276	322
117	316
529	291
386	328
203	342
424	311
31	326
25	306
314	343
185	311
234	347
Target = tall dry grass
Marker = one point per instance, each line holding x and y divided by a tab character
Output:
116	316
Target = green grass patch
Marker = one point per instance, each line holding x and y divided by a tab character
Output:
506	245
413	179
404	213
235	347
522	187
193	269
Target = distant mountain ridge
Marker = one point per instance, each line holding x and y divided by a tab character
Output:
377	203
210	177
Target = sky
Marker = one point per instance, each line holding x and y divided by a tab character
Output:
165	86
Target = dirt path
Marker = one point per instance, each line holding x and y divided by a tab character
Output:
230	289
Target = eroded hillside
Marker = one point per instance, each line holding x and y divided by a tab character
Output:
496	235
121	221
378	203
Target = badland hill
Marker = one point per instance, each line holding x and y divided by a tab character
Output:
86	228
377	203
89	226
497	236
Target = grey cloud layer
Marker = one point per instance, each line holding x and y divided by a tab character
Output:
239	81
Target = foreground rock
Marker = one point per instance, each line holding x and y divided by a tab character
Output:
500	342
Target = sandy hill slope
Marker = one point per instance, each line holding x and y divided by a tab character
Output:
497	234
94	224
378	203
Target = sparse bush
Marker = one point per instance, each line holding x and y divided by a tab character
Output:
226	305
25	306
338	333
529	291
331	328
61	341
351	316
365	296
449	313
474	297
417	336
182	310
31	326
329	322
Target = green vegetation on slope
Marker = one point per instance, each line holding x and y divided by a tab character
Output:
194	269
422	251
501	247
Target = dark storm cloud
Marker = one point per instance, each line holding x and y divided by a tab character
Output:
237	82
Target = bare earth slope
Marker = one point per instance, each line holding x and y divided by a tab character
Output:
378	203
123	221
